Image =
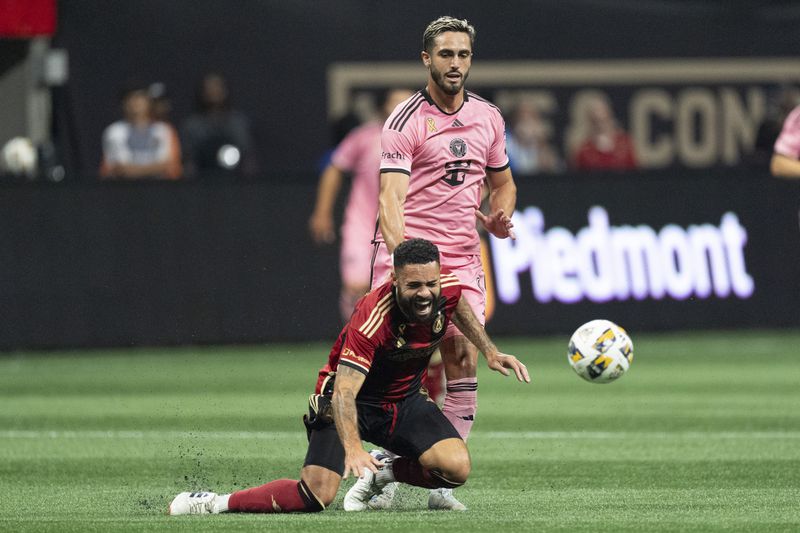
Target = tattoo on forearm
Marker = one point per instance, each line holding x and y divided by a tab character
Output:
344	415
343	404
465	320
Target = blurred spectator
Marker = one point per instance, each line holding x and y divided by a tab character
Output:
217	138
785	161
162	111
786	98
606	145
139	147
528	143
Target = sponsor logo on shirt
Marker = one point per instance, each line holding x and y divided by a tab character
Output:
392	155
415	353
350	354
456	172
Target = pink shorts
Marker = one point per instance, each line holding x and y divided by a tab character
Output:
355	255
468	269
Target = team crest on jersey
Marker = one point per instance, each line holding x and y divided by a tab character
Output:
458	147
438	324
431	125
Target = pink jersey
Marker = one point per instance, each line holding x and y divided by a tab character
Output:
788	142
446	156
359	153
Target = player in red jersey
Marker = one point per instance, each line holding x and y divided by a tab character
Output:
359	153
370	389
437	149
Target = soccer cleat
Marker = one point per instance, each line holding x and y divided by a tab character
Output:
385	499
194	503
365	487
443	499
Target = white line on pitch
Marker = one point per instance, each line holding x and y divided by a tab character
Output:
274	435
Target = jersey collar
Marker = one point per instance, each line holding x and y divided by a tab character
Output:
428	99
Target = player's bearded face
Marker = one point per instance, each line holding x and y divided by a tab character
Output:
451	81
450	61
418	289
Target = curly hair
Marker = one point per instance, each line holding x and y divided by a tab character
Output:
415	252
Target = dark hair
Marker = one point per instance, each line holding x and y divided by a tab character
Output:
415	252
384	95
443	24
200	103
130	87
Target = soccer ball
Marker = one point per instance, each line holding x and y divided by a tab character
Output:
600	351
19	157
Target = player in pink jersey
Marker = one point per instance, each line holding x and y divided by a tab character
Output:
437	149
786	157
358	154
370	389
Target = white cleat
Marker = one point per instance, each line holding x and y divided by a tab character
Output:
443	499
359	494
384	500
365	487
194	503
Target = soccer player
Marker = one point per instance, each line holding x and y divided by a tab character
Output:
785	161
370	389
437	148
359	154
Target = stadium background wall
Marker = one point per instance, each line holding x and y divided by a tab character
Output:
277	55
195	263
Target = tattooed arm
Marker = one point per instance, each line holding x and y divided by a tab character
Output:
468	324
345	416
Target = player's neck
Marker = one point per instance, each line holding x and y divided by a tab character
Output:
446	102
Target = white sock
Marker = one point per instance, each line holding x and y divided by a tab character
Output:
221	504
385	475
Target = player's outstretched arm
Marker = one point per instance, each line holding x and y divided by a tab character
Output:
320	225
468	324
502	201
343	403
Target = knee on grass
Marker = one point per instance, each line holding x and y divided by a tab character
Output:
449	480
452	468
322	483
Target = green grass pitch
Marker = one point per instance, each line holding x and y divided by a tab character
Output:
703	434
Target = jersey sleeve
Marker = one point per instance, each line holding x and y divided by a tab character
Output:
358	351
397	147
498	156
788	142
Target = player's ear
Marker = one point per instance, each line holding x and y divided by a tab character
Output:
426	58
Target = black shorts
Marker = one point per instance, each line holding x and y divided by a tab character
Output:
408	428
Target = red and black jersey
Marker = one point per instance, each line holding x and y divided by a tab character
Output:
392	352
